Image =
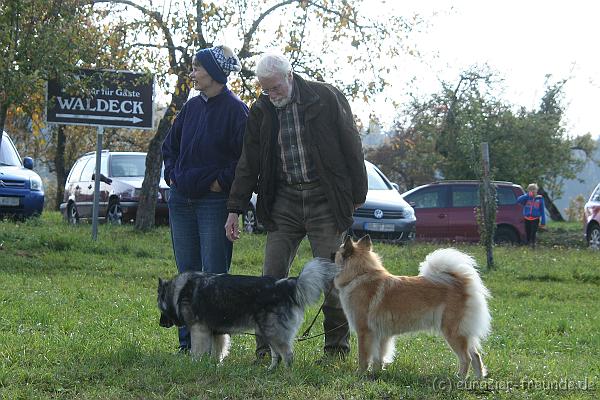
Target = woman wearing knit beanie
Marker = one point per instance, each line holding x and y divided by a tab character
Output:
200	154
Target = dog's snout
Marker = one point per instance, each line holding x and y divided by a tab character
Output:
165	321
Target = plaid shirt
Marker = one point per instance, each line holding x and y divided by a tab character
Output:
296	163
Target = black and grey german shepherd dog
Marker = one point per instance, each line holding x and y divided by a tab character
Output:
213	306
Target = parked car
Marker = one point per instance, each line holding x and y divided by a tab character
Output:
21	189
384	216
249	220
446	210
591	212
121	177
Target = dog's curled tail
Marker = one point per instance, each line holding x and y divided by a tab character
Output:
446	266
315	278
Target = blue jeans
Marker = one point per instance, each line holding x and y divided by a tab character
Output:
198	235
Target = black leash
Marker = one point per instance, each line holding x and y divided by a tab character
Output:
303	338
307	331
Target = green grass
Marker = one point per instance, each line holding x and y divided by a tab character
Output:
78	320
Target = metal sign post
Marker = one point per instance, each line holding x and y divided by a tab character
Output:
104	98
99	136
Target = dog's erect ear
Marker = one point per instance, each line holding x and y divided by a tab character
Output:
365	242
348	244
348	247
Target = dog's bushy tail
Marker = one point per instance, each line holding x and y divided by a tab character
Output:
315	278
446	266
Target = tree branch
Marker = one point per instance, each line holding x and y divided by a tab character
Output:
159	20
158	46
200	41
339	14
245	51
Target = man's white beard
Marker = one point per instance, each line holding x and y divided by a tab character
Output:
280	103
284	101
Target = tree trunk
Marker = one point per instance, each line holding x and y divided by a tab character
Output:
555	213
145	217
59	164
3	112
488	207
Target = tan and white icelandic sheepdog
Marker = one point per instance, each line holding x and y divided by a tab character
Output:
447	297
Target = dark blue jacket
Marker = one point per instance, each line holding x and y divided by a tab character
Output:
205	143
533	207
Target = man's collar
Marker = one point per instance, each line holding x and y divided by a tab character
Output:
308	95
295	93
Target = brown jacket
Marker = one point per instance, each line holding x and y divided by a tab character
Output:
334	144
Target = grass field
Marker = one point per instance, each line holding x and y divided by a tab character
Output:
78	320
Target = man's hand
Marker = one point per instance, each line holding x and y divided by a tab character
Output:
357	206
232	227
215	187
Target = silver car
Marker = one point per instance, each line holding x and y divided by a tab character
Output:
385	215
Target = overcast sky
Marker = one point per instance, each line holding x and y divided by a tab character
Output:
523	40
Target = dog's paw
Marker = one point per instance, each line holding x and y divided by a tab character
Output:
485	375
368	375
372	376
274	364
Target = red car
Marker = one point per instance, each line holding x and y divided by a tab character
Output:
122	174
445	210
591	213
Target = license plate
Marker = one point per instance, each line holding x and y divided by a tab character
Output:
9	201
379	227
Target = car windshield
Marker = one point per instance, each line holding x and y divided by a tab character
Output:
8	154
376	182
129	165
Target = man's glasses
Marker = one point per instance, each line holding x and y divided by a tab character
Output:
274	89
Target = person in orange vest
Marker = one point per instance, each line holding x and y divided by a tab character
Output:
533	212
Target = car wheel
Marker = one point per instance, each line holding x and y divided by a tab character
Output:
249	220
593	238
72	214
114	215
505	235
